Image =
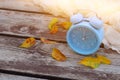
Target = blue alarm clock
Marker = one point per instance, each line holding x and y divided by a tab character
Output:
85	34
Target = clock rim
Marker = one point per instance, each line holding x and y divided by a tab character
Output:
93	30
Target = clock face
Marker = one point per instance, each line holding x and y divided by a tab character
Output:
83	39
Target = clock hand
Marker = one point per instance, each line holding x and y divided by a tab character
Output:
84	34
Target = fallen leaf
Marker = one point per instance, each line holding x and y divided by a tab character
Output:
47	41
65	25
90	62
28	42
54	29
52	23
103	59
57	55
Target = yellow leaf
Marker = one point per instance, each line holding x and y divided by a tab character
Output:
28	42
94	62
47	41
54	29
65	25
57	55
52	23
103	59
90	62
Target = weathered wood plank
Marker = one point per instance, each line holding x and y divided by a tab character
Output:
37	60
25	5
22	60
16	77
28	24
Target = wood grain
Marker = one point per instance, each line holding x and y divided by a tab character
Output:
16	77
16	26
28	24
38	60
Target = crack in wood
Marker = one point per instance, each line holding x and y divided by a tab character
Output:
33	75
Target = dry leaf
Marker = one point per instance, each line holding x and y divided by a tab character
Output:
65	25
103	59
28	42
52	23
94	62
54	29
47	41
57	55
90	62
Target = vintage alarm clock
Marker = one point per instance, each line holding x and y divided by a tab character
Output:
85	34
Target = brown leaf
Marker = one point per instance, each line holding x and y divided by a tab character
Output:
47	41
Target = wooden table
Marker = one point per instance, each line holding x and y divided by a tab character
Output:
36	63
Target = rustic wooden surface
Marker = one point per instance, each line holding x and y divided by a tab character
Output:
37	60
15	77
27	24
16	26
